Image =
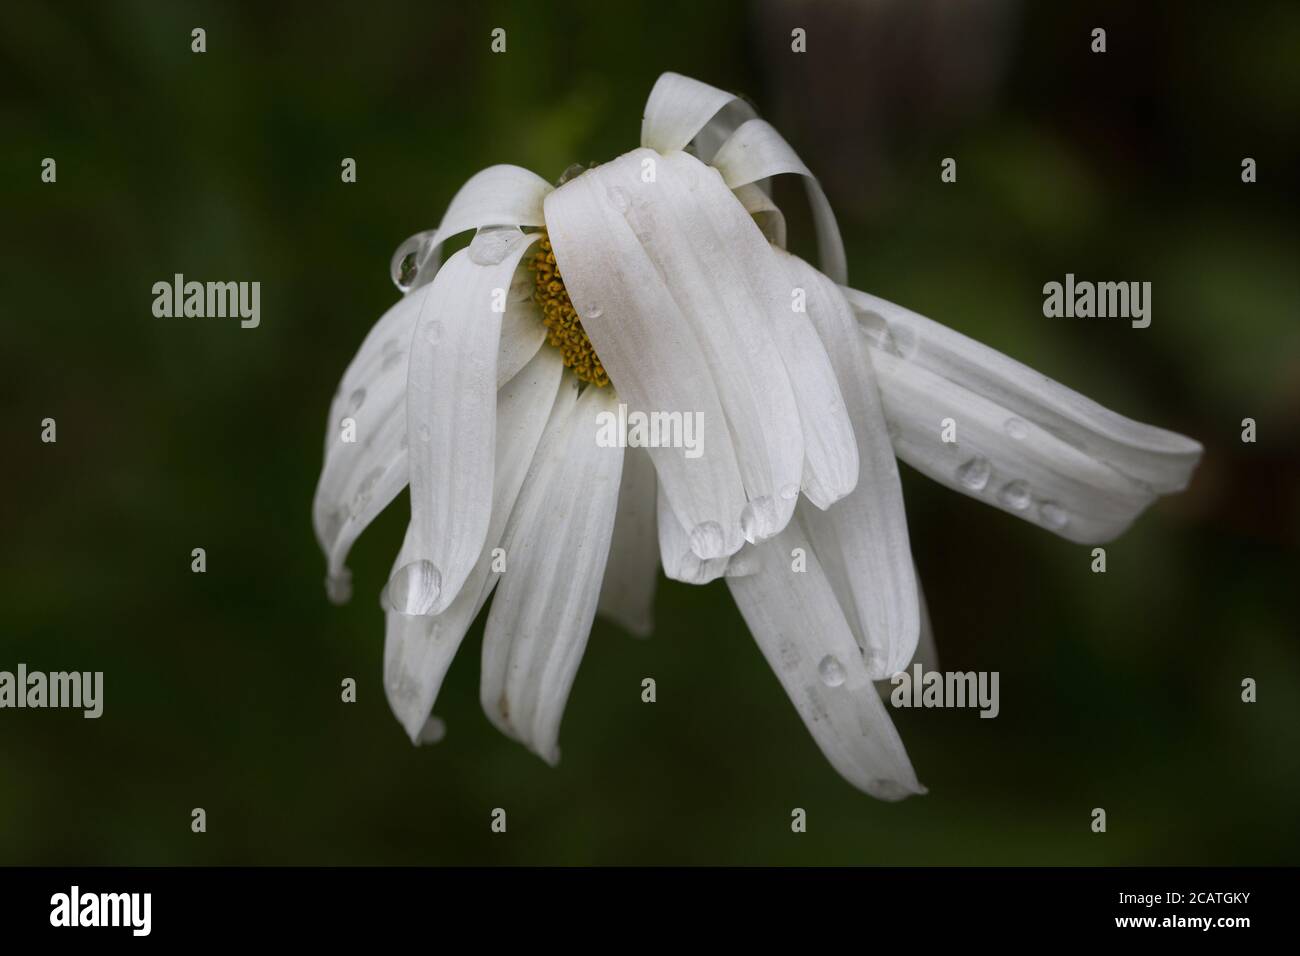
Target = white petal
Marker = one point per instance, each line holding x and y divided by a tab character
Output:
679	561
723	275
757	151
496	196
522	330
862	540
628	591
1025	443
651	352
800	629
556	547
450	420
419	649
679	108
830	467
1156	457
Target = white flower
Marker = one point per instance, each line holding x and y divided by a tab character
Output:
673	257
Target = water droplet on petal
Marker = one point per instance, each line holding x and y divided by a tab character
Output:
887	789
432	331
759	519
591	312
902	341
708	540
571	172
975	473
364	490
1053	515
790	492
831	671
491	243
414	588
1016	428
1014	495
432	732
359	396
423	433
617	198
338	587
407	270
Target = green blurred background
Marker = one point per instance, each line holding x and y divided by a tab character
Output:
222	690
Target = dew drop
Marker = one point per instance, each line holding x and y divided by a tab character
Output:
1014	495
364	490
831	671
414	588
357	398
594	312
790	492
433	731
407	270
975	473
1053	515
338	587
432	331
887	789
617	198
571	172
423	433
491	243
393	354
1016	428
759	519
707	540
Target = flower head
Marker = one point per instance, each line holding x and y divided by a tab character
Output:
659	282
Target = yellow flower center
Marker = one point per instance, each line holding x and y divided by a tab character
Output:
564	329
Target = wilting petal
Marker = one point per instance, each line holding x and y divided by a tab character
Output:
556	545
679	108
802	632
450	420
628	591
365	461
723	275
862	540
361	478
651	352
497	196
1025	443
757	151
419	649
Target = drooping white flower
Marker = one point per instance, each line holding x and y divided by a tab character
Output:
660	281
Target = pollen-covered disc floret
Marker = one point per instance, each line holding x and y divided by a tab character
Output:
563	327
